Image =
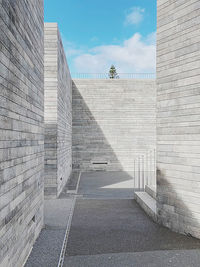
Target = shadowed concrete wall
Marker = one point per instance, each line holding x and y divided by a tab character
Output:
113	122
21	128
178	130
58	113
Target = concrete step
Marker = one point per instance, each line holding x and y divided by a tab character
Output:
147	203
151	190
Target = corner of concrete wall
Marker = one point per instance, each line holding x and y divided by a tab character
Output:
58	113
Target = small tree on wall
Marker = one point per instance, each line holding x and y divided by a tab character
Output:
113	73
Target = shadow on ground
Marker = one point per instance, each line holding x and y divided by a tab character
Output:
104	185
104	226
115	226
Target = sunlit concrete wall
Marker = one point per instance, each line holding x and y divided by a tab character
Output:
113	123
58	113
21	128
178	130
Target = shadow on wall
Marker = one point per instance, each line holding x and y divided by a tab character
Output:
93	152
91	149
173	211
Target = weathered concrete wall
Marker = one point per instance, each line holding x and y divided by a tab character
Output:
113	123
21	128
178	74
58	113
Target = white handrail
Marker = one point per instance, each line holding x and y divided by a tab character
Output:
145	170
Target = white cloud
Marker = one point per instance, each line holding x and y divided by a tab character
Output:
136	54
134	16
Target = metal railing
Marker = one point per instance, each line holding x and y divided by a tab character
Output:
119	76
145	170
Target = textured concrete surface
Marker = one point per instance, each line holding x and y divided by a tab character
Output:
21	128
56	213
106	185
116	232
57	113
176	258
72	184
147	203
47	249
178	124
113	226
114	121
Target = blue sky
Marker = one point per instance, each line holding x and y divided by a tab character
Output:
97	34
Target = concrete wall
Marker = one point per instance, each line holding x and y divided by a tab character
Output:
113	123
178	130
58	113
21	128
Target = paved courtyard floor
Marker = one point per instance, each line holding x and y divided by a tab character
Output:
46	251
107	229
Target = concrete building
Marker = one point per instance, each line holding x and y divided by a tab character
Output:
51	125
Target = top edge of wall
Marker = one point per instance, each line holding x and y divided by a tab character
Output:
51	24
112	80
